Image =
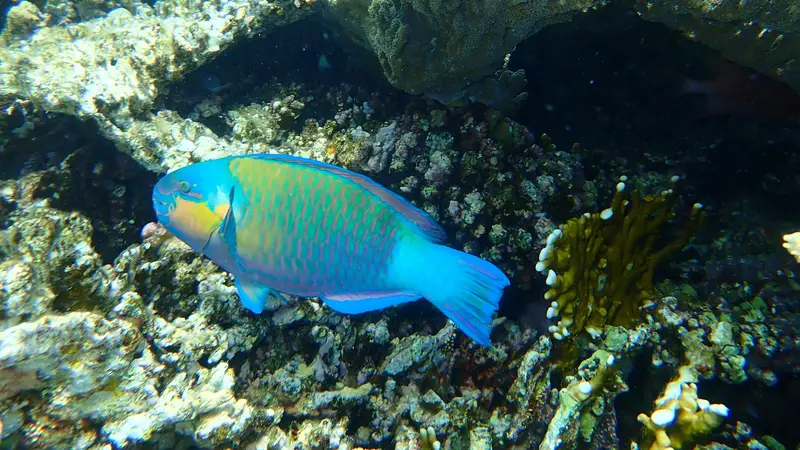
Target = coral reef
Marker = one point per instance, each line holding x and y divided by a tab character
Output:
718	345
49	263
428	438
792	244
110	67
102	366
385	375
117	340
584	401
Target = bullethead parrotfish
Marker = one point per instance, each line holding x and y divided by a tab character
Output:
288	225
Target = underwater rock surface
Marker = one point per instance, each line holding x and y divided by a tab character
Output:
439	47
111	68
760	34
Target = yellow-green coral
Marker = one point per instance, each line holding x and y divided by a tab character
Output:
680	417
600	266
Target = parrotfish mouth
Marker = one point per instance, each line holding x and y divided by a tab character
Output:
162	201
161	205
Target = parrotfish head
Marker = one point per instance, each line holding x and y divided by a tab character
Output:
192	202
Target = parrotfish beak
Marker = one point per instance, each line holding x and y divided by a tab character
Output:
161	204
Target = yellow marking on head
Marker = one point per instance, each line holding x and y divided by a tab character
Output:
221	210
196	218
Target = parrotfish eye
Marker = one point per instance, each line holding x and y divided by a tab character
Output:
185	187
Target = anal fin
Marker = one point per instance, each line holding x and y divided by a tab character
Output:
358	303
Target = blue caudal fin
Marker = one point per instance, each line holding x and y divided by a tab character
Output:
464	287
364	302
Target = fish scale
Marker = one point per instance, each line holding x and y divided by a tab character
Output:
309	184
305	228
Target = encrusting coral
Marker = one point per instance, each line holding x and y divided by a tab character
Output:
680	417
600	266
110	69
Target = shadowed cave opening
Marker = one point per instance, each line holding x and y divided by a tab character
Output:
82	171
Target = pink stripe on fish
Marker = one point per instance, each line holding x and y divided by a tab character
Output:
373	239
335	220
304	211
478	269
367	295
331	251
298	248
315	237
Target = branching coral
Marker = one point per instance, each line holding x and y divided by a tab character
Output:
600	266
583	402
680	417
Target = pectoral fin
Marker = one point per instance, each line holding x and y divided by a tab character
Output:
228	227
253	296
368	301
280	296
227	231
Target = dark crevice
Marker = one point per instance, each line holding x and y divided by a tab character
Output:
81	171
628	89
288	59
645	383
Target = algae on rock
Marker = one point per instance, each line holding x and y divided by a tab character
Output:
48	263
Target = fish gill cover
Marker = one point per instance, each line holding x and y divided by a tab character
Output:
627	322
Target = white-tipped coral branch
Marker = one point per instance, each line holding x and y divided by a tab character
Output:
680	417
791	242
428	439
598	377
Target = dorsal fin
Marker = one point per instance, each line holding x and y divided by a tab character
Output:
425	225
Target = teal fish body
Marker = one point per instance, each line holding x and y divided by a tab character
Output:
291	225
